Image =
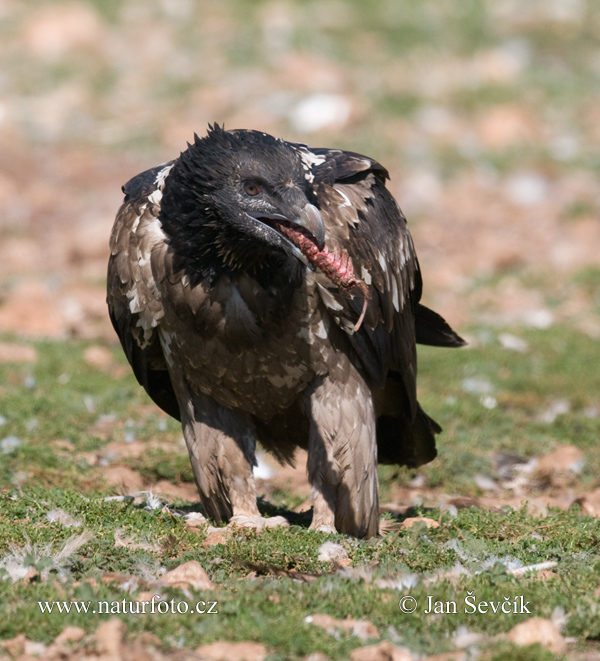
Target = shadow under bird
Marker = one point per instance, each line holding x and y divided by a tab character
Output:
266	290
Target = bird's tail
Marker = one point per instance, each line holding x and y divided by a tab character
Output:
404	443
432	329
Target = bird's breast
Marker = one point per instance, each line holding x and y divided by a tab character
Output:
237	347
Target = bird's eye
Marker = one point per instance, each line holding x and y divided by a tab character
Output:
252	188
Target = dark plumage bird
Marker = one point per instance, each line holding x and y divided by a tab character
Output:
265	290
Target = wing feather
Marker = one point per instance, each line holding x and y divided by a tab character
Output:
138	252
366	222
363	218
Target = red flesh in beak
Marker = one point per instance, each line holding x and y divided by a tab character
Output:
338	268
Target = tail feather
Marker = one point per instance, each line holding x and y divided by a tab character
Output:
406	443
433	330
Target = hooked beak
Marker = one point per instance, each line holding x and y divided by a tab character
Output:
309	219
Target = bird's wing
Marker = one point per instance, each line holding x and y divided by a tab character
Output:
363	219
133	295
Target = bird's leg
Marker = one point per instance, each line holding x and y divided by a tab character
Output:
221	445
342	453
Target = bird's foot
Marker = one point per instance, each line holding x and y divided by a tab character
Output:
258	522
323	528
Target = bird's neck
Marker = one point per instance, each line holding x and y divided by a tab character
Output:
209	253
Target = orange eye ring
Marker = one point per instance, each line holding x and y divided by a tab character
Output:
252	188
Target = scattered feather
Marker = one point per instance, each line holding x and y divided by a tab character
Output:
330	552
403	581
9	444
477	385
521	571
486	483
19	560
62	517
557	407
512	342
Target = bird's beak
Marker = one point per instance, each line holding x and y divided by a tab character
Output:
311	220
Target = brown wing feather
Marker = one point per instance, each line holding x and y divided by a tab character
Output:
364	219
132	291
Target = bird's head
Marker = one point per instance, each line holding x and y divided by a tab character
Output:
240	199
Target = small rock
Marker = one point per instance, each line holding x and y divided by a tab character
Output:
463	638
410	522
34	649
538	630
189	575
69	634
488	402
124	478
383	651
258	522
590	503
316	656
17	353
564	458
419	481
541	318
195	520
215	537
226	651
109	639
527	189
360	628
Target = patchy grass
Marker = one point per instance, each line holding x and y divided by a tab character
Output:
268	583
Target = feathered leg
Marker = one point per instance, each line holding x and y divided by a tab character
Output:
221	445
342	454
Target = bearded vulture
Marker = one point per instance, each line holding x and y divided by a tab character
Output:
266	290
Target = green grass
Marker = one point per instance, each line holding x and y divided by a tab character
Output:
271	607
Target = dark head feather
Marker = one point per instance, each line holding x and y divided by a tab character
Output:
204	211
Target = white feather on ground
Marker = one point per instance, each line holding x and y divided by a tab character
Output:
19	560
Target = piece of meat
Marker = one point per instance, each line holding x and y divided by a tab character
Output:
338	268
